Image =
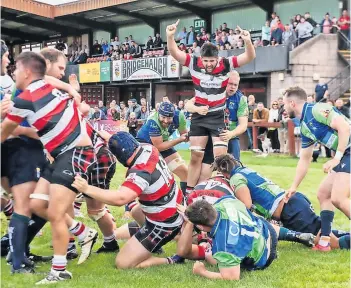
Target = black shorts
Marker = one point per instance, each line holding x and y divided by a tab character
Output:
168	152
103	169
344	165
153	237
211	124
21	162
47	171
298	215
79	160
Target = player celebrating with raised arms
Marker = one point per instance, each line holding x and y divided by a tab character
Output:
149	180
210	77
324	124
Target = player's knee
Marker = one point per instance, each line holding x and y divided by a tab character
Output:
182	251
96	215
323	197
177	164
197	154
122	263
38	202
337	200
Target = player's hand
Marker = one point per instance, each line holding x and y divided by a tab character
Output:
181	211
80	184
328	166
202	110
226	135
171	29
73	81
198	268
184	137
289	193
245	35
6	105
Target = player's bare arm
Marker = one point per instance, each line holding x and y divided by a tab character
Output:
250	53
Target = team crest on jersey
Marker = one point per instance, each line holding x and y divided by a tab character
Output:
325	112
131	177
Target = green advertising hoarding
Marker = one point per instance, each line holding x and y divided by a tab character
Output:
105	71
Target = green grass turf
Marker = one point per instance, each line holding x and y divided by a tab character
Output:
296	266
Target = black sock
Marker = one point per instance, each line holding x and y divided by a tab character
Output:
183	187
327	218
287	235
33	229
18	228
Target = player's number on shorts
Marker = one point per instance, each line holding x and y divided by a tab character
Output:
165	173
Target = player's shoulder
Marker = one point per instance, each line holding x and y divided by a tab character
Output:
319	110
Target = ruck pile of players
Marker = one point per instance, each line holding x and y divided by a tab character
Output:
50	153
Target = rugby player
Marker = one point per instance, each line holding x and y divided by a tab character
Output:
266	198
148	179
157	130
56	117
324	124
210	78
101	174
240	239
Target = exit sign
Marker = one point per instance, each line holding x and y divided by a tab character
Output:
198	24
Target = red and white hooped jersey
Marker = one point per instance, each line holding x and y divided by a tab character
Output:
211	190
96	139
210	88
158	192
53	113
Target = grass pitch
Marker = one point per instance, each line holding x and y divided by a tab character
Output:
297	266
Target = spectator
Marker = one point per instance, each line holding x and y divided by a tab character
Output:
97	49
82	58
144	113
196	48
132	124
316	152
102	107
252	106
131	49
217	40
231	38
335	27
180	106
310	99
283	132
227	46
309	19
330	102
304	30
273	132
344	23
276	35
182	47
149	43
110	51
298	18
225	28
157	41
127	49
128	56
143	102
133	107
105	47
288	37
205	36
130	40
98	114
199	41
116	115
116	42
126	40
321	91
60	45
266	34
260	115
223	41
274	19
165	99
326	24
113	107
124	110
190	37
339	104
280	24
182	36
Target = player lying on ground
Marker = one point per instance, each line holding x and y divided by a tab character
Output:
149	180
210	77
266	198
240	239
324	124
157	130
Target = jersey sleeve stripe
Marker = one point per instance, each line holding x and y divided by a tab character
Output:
235	61
187	60
133	187
15	118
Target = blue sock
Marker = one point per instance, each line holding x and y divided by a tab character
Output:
287	235
344	242
327	218
33	230
183	187
340	233
18	228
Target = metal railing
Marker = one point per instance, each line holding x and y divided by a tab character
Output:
339	84
343	41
